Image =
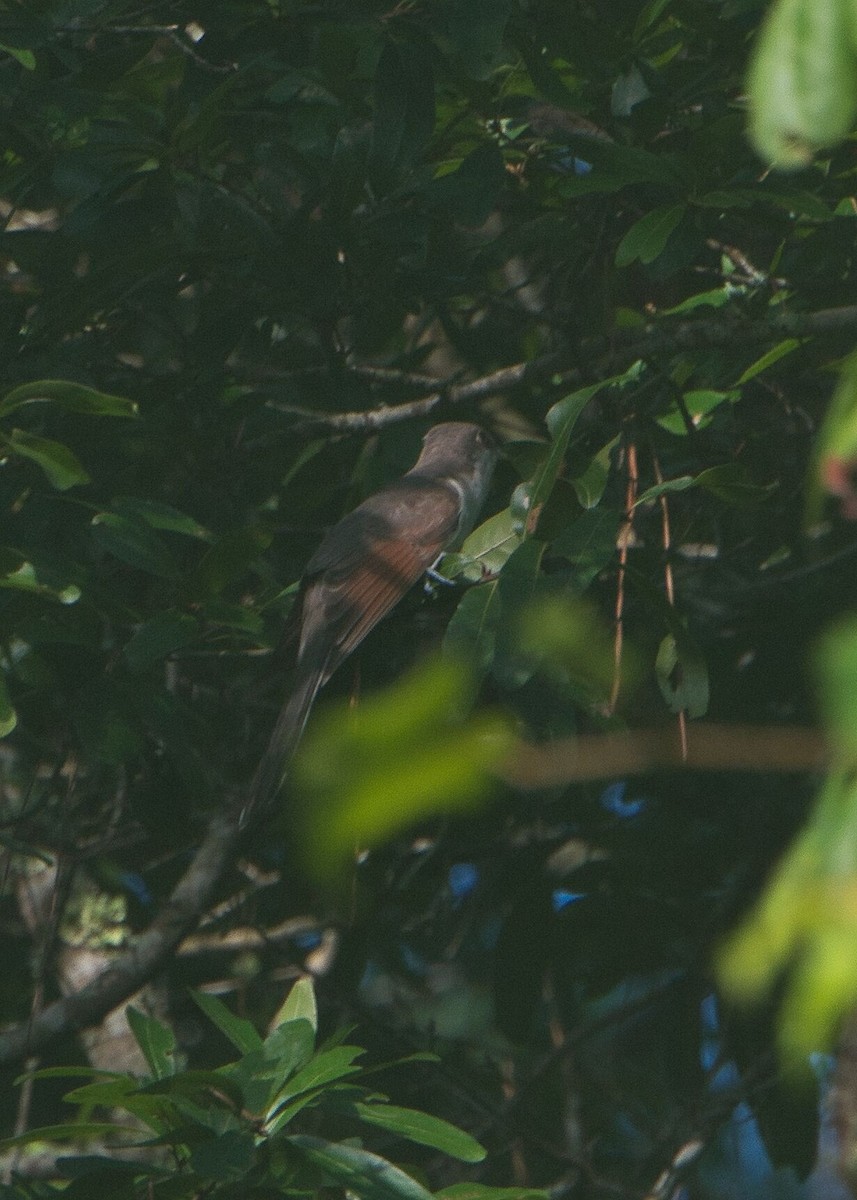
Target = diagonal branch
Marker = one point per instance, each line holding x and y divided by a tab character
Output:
132	969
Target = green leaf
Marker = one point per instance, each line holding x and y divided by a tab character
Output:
160	516
700	404
469	194
517	587
134	543
25	579
476	30
402	756
25	57
424	1129
156	639
299	1004
801	81
715	298
155	1039
836	671
404	109
589	542
71	1131
8	716
324	1068
682	673
680	484
835	453
59	464
589	487
228	558
240	1032
225	1158
768	359
73	397
369	1175
733	484
471	632
647	238
486	550
482	1191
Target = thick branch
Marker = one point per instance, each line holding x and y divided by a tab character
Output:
710	747
131	970
620	348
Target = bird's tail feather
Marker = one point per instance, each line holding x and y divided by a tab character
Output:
272	769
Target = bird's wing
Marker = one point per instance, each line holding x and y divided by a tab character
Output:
364	566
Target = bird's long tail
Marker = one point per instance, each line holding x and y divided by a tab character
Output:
274	764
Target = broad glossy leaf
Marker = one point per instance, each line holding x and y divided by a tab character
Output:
134	542
517	588
59	463
424	1129
299	1004
801	81
25	579
700	404
160	516
486	551
369	1175
324	1068
240	1032
73	397
226	1158
156	1041
70	1131
787	346
646	239
476	29
589	542
471	633
732	483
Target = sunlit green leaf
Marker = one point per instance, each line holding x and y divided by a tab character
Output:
25	57
58	462
402	756
300	1003
801	81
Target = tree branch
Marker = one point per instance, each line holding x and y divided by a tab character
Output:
620	348
130	970
710	747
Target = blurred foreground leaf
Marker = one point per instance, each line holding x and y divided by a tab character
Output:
802	80
406	755
806	922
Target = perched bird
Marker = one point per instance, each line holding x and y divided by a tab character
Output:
366	564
